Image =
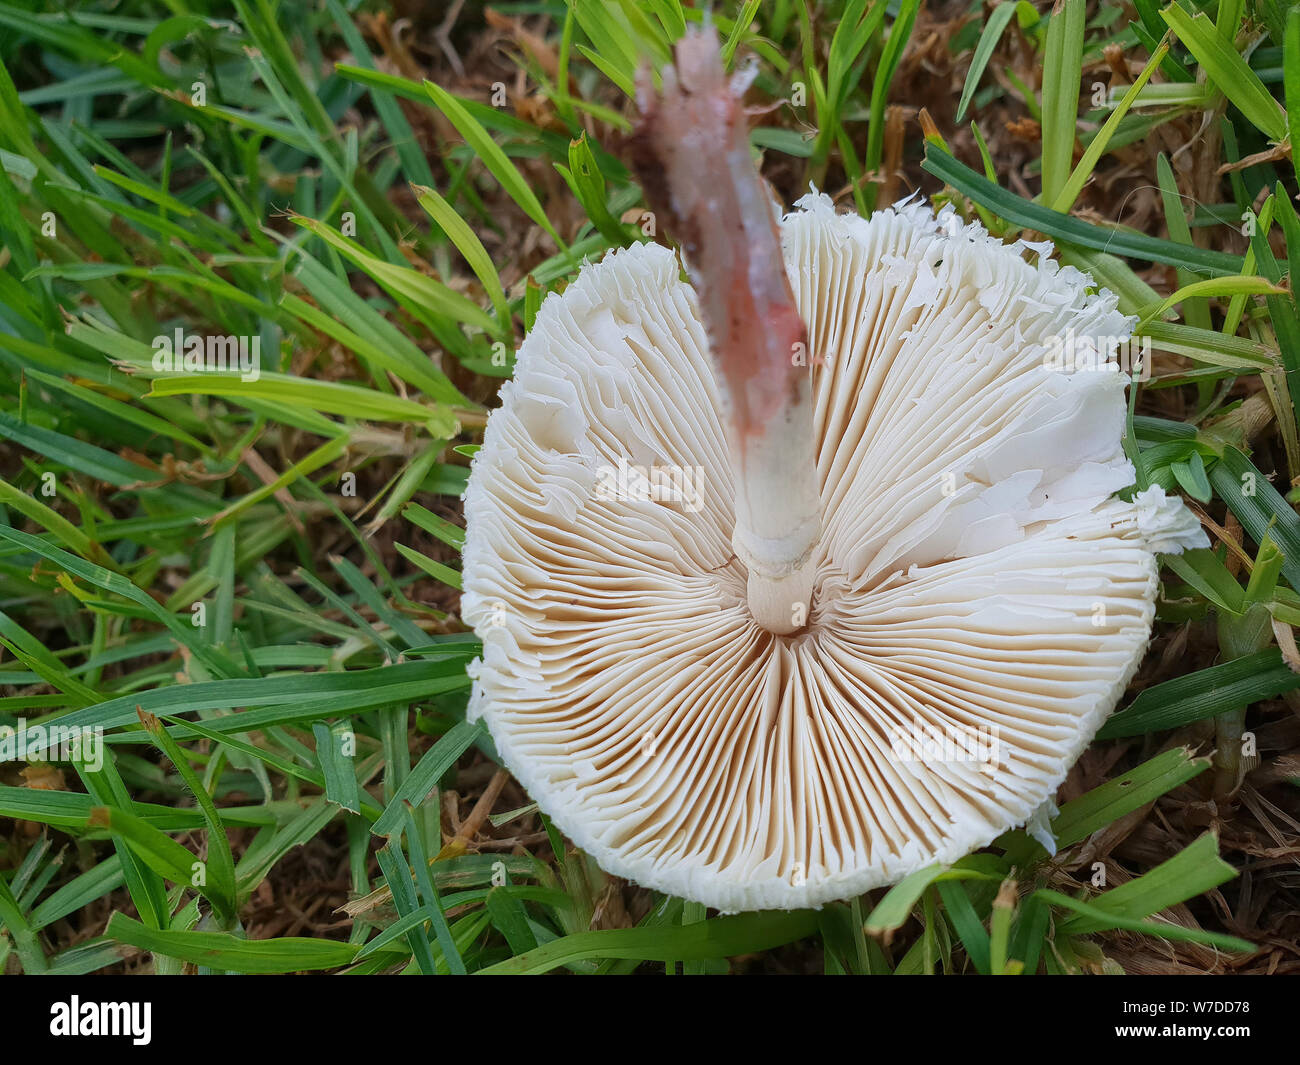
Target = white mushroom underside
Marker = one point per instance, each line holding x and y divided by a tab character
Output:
975	573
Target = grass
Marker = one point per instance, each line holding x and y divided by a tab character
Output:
248	586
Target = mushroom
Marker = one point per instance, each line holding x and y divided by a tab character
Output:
808	574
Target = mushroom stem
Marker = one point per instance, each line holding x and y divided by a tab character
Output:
778	516
691	151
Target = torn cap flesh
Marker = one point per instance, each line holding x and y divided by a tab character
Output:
980	595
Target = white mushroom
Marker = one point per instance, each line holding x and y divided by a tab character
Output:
977	595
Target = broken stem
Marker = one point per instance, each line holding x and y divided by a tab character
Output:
691	151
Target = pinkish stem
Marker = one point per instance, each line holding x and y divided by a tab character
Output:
691	151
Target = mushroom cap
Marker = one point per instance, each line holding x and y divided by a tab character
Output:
982	597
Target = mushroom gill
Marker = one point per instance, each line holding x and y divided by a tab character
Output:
981	596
